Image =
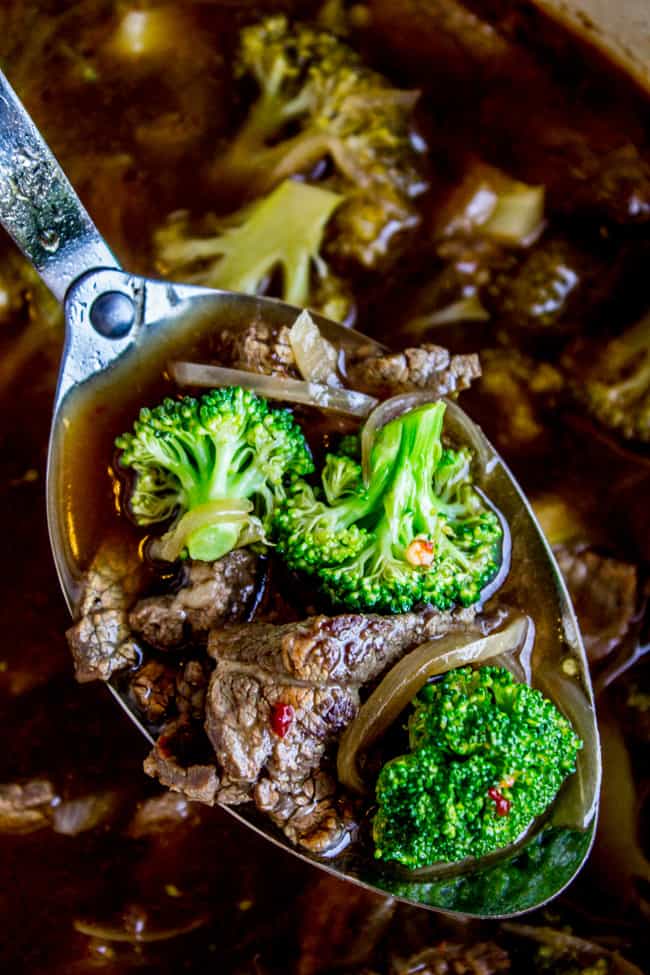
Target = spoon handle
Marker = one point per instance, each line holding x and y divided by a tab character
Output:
38	206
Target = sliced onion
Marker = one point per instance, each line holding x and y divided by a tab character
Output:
468	309
109	932
315	357
518	217
578	801
346	401
466	431
402	683
221	510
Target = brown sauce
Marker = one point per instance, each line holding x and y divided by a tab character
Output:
224	900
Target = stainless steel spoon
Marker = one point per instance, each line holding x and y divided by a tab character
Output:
119	324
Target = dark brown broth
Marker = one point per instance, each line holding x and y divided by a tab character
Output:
241	892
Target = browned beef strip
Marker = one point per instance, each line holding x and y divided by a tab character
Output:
311	815
426	367
195	780
448	958
191	687
25	808
262	349
213	593
315	668
101	641
153	689
161	814
604	593
258	348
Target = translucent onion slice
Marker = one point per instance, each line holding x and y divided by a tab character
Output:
467	309
219	511
463	429
518	217
315	357
401	684
346	401
577	803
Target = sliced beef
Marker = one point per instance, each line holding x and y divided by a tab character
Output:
25	808
604	594
448	958
160	814
171	762
280	695
311	815
153	688
427	367
101	641
212	593
258	348
191	686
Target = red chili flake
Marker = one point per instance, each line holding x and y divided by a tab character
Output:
420	552
502	804
282	716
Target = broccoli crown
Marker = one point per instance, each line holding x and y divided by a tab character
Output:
419	533
612	380
193	455
282	231
317	89
487	756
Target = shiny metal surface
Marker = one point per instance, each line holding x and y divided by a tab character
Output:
38	206
40	210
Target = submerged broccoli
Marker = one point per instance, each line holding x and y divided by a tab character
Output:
283	231
216	464
488	756
419	533
612	380
317	101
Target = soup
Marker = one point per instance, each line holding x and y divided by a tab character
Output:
467	287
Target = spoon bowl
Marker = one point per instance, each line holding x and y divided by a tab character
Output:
121	330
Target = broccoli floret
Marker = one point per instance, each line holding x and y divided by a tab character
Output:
318	102
193	459
419	533
551	287
487	756
282	231
612	380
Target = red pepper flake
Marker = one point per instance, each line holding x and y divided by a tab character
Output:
502	804
282	716
420	552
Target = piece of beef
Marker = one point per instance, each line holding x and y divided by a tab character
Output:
160	814
604	594
101	641
447	958
428	367
168	762
212	593
191	687
279	695
153	688
258	348
26	808
311	814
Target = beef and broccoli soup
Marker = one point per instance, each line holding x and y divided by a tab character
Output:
296	561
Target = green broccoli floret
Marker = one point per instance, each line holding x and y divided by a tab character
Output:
419	533
487	756
612	380
318	102
217	465
280	232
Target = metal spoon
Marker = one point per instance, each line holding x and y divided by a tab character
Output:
119	324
